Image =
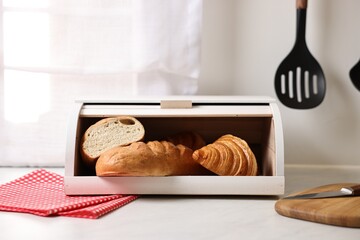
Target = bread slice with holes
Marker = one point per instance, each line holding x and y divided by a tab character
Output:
109	133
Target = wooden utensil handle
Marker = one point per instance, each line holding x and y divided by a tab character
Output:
356	190
301	4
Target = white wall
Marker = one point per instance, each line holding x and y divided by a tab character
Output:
243	43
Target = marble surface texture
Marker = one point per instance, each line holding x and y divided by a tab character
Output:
188	217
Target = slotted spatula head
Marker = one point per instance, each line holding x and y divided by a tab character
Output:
299	80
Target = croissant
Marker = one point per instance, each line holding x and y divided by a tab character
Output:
191	140
228	156
148	159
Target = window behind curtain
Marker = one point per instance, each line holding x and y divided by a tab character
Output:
55	51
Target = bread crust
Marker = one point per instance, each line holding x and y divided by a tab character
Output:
108	133
155	158
191	140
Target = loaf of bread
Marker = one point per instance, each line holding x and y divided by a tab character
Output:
191	140
228	156
108	133
155	158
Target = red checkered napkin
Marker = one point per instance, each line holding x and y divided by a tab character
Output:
42	193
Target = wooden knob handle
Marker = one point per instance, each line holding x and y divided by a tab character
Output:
301	4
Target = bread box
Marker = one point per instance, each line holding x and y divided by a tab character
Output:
254	119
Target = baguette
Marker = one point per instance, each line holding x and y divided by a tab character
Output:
148	159
108	133
191	140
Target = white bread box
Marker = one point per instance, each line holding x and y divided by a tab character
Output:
254	119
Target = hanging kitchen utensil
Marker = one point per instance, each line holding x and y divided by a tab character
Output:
299	80
355	75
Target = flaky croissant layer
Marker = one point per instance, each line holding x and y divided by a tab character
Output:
228	156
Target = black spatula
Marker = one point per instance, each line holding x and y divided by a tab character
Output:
299	80
355	75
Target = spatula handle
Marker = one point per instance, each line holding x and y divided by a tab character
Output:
301	4
355	190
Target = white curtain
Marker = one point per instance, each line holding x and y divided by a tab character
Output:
55	51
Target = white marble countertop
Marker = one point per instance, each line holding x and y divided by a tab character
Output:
188	217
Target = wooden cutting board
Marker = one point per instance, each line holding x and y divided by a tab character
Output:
340	211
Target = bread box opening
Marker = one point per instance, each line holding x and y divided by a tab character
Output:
256	131
255	120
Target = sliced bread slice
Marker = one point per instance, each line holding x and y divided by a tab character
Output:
108	133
